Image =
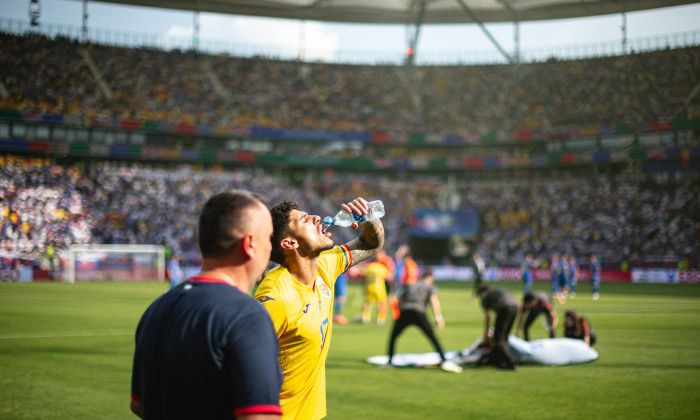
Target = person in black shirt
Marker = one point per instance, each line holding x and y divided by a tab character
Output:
479	269
535	304
504	304
578	327
413	306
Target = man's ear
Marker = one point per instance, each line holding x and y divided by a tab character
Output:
289	243
248	245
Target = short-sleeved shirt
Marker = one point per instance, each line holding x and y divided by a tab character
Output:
498	299
416	296
543	302
376	274
410	272
206	350
302	315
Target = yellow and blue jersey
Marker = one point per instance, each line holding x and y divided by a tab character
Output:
302	316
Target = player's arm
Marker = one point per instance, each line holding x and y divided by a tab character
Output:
259	417
555	319
586	332
371	239
487	322
521	312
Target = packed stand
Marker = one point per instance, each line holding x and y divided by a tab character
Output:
615	217
177	86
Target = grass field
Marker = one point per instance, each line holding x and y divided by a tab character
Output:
65	353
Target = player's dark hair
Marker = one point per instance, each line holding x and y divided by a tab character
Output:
220	218
280	228
528	298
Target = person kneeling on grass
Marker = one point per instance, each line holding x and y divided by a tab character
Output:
579	328
412	306
505	306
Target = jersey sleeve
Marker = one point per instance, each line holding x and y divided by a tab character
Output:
336	261
254	366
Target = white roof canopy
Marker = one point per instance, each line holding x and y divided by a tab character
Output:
407	11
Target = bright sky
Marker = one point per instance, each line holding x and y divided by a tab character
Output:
328	40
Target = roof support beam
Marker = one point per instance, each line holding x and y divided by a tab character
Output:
486	32
411	53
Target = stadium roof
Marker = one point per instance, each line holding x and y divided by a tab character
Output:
409	11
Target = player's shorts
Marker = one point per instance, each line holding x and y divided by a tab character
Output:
375	293
563	281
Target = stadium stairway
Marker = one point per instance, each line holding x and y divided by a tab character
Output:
104	87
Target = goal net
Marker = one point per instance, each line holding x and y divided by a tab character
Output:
115	263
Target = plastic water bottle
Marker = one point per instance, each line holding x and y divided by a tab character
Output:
345	219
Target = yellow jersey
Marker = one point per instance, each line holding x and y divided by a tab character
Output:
302	316
375	278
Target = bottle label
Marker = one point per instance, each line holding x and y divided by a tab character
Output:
360	218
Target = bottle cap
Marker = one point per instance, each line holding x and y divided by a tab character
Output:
328	220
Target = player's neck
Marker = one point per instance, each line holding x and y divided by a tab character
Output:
225	275
304	270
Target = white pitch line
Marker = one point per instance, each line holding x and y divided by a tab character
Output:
67	334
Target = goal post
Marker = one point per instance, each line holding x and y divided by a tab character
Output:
125	263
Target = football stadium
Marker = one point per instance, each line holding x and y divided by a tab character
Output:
572	174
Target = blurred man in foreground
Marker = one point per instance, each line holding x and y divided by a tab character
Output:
206	349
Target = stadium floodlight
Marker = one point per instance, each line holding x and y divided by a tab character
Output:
34	12
125	263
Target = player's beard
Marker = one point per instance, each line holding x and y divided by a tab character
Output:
309	251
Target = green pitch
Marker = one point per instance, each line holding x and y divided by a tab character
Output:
65	353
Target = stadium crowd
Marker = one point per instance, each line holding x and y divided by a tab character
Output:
175	86
45	203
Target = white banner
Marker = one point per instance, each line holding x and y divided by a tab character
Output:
654	275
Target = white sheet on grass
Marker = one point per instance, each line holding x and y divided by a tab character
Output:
549	351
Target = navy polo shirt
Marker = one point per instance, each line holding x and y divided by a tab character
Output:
206	350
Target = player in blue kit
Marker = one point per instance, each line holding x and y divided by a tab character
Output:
595	277
573	276
206	349
526	269
174	271
563	278
554	267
